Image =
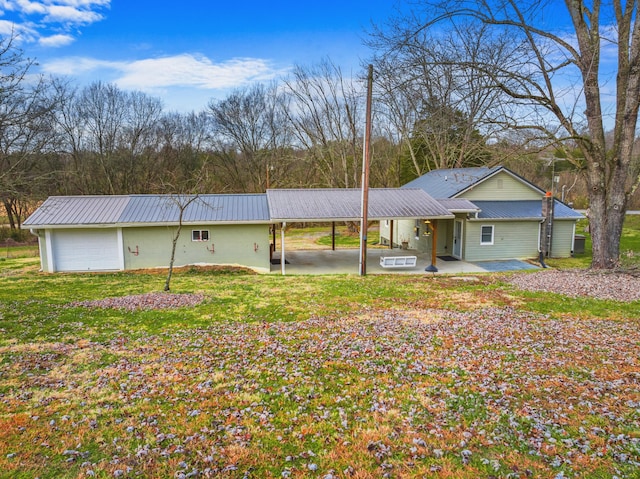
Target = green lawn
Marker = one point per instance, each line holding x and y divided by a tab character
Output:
629	246
314	376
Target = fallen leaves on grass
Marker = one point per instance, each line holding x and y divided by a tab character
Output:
146	301
594	284
488	393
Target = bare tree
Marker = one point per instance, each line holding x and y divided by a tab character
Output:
326	115
251	132
111	137
26	130
183	194
554	83
439	105
181	202
184	144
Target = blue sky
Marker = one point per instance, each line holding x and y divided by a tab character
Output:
190	51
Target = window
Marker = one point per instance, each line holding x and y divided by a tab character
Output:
486	235
200	235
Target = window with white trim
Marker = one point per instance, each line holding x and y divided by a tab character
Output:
486	235
199	235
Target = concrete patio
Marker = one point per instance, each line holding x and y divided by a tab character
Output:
346	261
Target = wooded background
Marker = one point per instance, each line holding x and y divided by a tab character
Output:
431	109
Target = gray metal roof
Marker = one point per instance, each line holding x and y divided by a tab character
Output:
75	210
451	182
243	208
458	205
447	183
523	209
344	204
148	209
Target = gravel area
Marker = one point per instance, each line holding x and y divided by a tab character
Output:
576	283
146	301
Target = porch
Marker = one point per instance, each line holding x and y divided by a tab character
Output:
346	261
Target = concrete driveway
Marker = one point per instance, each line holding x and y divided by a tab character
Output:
346	261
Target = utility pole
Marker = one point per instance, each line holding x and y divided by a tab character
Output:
366	155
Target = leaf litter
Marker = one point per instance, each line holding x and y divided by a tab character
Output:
384	393
615	286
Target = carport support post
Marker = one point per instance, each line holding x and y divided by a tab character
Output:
274	237
333	236
391	234
434	246
282	260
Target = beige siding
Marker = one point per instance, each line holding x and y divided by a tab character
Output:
511	239
501	187
385	230
246	245
406	229
563	232
402	230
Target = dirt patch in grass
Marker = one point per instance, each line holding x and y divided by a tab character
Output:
195	269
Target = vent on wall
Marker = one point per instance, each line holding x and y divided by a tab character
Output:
499	185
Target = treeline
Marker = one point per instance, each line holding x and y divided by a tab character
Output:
305	130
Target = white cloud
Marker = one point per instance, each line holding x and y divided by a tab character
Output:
193	71
72	15
185	70
26	7
48	21
56	40
83	3
77	66
23	33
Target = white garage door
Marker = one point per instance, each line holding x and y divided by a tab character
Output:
85	250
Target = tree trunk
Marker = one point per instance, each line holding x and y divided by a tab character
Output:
605	225
167	283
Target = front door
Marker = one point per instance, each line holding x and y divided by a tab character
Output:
457	239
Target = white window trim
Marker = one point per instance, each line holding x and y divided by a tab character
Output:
200	235
493	231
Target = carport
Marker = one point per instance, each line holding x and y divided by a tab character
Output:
330	205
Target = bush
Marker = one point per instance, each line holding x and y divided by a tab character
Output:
19	236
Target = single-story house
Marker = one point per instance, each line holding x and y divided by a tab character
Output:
111	233
497	215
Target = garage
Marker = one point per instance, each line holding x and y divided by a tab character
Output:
86	250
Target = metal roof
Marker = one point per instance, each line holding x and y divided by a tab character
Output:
523	209
451	182
344	204
447	183
274	206
75	210
458	205
149	209
241	208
